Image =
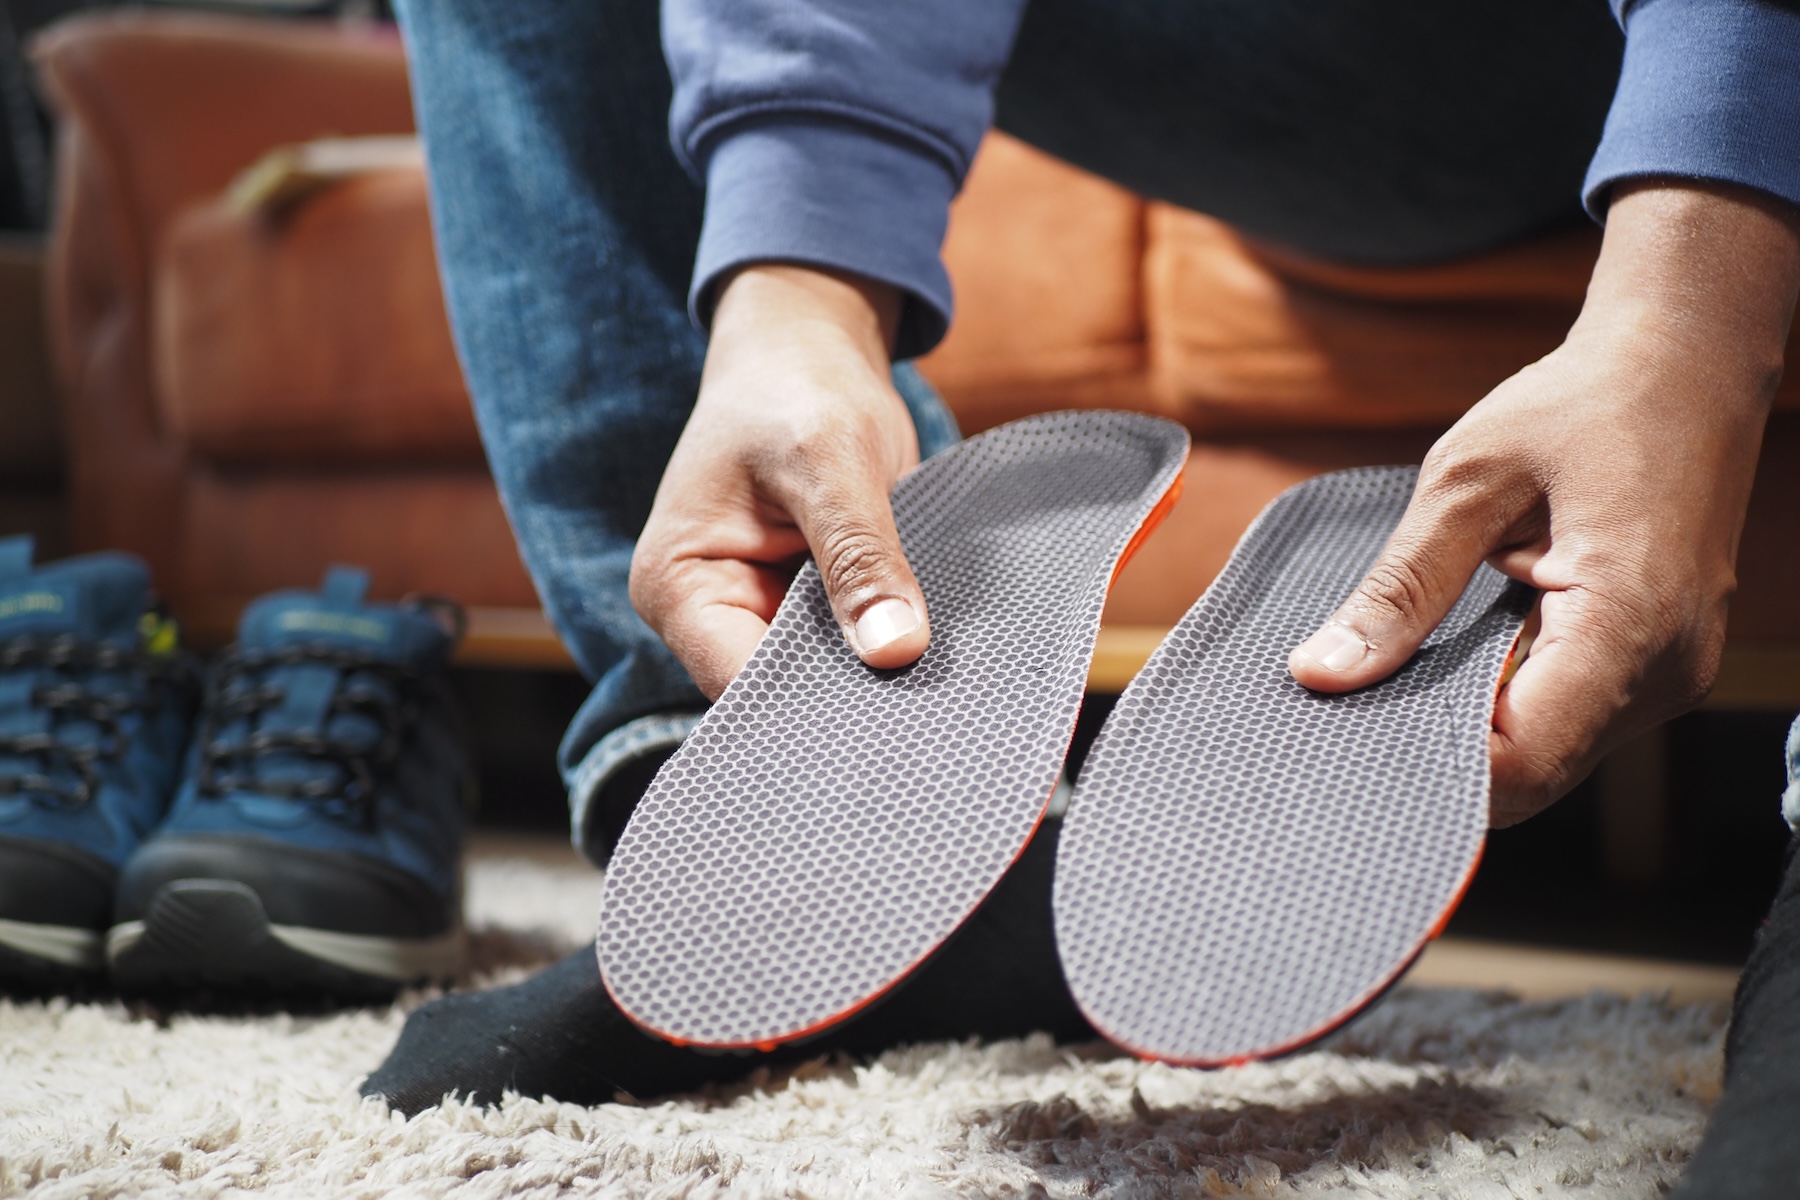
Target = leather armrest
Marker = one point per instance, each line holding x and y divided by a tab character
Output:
176	104
317	336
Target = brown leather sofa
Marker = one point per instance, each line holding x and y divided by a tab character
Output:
253	393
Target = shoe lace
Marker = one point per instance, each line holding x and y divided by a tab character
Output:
387	694
151	680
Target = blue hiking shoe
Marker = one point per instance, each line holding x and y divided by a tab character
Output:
315	844
96	700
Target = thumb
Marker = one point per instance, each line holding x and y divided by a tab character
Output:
850	528
1413	585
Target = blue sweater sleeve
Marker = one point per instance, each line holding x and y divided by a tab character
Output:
1710	90
834	133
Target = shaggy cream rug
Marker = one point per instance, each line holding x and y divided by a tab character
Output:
1436	1093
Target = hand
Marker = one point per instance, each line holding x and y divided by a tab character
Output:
1613	475
793	446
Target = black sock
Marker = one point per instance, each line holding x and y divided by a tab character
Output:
559	1035
1751	1150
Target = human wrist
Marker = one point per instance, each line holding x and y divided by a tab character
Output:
768	304
1698	277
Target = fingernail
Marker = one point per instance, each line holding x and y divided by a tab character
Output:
1335	647
885	621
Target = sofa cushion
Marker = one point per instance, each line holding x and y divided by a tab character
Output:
1046	262
1242	337
317	335
1248	337
320	335
432	529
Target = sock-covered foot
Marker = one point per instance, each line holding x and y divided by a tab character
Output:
558	1034
1751	1150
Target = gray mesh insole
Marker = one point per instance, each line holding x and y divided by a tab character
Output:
826	826
1246	864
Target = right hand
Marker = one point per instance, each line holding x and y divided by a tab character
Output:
1613	475
794	444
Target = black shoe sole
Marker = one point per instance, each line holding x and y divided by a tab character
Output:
210	934
26	973
54	902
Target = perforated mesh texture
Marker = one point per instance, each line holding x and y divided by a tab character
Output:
1245	863
826	826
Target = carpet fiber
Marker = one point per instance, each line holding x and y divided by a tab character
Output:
1435	1093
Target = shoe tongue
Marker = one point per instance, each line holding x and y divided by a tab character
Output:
97	596
338	616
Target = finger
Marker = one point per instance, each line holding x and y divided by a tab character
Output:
849	525
719	610
1551	720
1444	536
724	636
1601	671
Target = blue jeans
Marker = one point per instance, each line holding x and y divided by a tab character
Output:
566	234
1376	130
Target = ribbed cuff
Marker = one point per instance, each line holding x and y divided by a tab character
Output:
659	733
1710	90
830	193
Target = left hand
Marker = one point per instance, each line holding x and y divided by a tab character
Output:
795	441
1613	475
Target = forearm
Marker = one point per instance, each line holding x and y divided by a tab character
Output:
1702	272
1693	298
